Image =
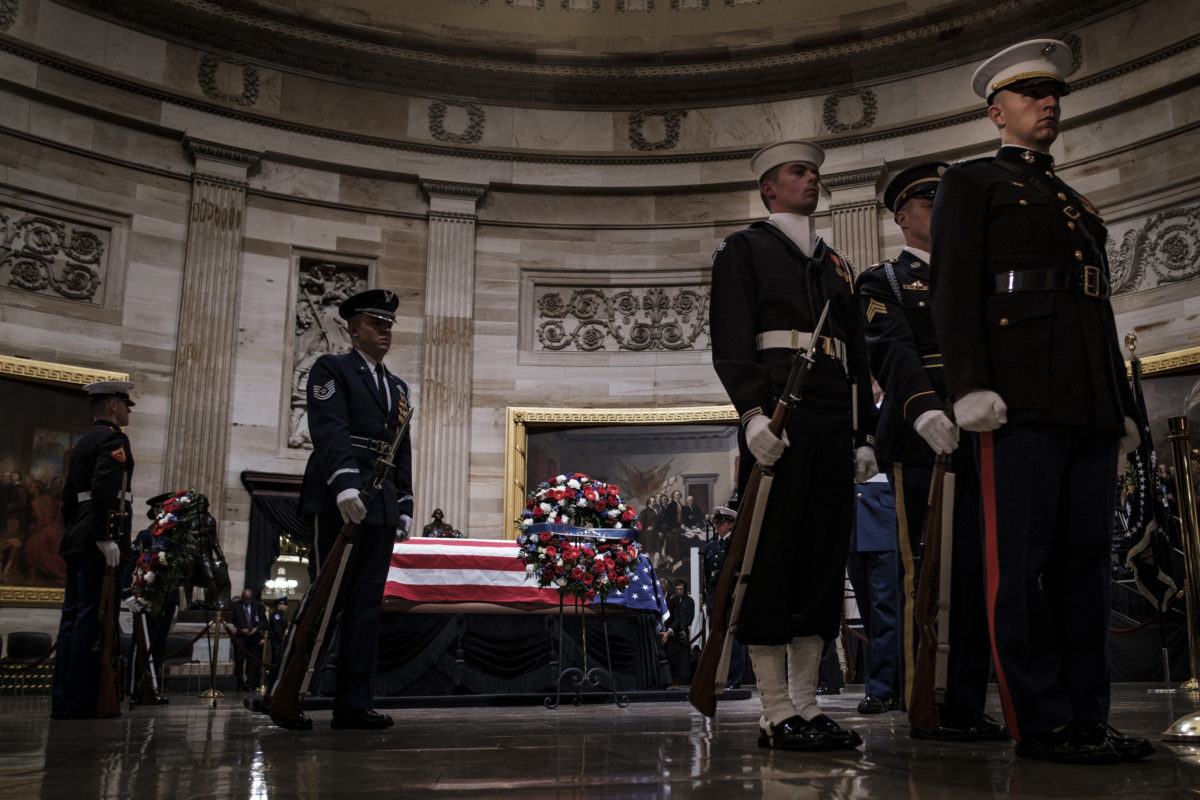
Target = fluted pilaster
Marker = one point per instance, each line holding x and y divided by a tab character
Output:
443	425
855	211
198	432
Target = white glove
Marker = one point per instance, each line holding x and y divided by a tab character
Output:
938	431
980	410
403	528
351	506
1131	438
765	446
111	553
865	467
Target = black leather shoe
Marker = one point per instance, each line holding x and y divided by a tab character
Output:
300	723
1068	744
841	738
1129	748
873	705
793	734
979	728
361	720
824	689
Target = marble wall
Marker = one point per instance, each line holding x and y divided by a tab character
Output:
626	203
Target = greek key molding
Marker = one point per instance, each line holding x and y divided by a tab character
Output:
532	5
51	255
31	596
206	75
524	415
635	5
8	13
476	119
870	108
630	319
689	5
571	5
55	373
1162	249
671	123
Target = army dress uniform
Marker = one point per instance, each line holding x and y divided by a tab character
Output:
98	478
350	426
1021	309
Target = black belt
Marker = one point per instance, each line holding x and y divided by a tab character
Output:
367	443
1090	280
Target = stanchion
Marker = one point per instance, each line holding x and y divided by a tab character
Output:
1187	728
214	643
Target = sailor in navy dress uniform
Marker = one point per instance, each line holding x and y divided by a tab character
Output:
770	282
1032	361
353	410
913	427
714	559
98	479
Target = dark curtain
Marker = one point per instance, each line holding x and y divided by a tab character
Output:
270	514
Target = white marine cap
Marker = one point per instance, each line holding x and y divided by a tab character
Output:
724	512
1034	61
773	155
110	389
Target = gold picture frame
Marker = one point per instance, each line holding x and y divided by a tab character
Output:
56	376
1166	363
521	419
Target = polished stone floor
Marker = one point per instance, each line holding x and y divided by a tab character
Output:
656	750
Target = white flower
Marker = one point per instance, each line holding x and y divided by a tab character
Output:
530	568
574	484
150	577
560	479
526	522
162	558
561	581
612	512
618	525
581	502
547	507
620	506
603	579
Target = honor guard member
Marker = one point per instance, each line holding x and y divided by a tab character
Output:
1020	303
913	428
769	284
714	559
354	404
98	478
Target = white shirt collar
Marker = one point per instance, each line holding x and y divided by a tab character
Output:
798	228
921	254
370	361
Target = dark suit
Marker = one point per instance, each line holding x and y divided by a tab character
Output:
1021	308
907	362
683	612
763	282
347	420
248	617
100	464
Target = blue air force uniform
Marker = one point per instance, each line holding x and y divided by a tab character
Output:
873	573
350	425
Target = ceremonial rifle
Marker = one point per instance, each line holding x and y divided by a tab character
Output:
107	703
302	643
713	668
931	608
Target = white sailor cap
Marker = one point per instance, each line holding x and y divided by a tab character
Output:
1028	62
773	155
110	389
724	512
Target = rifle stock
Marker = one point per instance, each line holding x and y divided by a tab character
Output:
923	705
108	703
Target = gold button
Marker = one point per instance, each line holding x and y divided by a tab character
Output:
1071	225
1003	321
858	494
921	304
1049	174
1078	255
916	263
1023	201
1062	196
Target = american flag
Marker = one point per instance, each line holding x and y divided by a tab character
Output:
488	571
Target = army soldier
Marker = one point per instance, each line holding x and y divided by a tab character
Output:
97	486
913	427
1020	304
714	559
353	409
770	282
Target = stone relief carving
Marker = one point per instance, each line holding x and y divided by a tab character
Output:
51	256
635	5
635	319
206	75
322	286
581	5
536	5
637	138
689	5
1165	248
476	119
870	107
8	13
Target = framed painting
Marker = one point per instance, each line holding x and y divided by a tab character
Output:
44	414
1171	386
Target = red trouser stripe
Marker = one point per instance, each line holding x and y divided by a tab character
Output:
987	480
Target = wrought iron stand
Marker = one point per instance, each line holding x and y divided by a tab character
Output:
581	677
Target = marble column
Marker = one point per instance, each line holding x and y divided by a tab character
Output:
855	210
198	431
443	421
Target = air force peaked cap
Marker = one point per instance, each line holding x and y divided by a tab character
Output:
378	303
1023	64
920	180
110	389
773	155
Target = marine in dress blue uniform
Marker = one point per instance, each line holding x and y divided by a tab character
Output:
98	478
1020	303
351	418
770	282
907	362
714	560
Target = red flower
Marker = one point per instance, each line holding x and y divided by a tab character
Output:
622	581
587	579
612	501
628	515
551	551
545	537
591	595
577	573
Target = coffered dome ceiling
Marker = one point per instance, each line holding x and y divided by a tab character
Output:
605	52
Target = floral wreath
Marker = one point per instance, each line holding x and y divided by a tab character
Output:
169	559
581	569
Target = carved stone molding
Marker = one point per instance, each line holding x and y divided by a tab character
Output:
476	119
870	107
581	5
866	176
8	13
533	5
630	319
206	75
52	256
470	191
635	5
671	123
1163	248
215	151
689	5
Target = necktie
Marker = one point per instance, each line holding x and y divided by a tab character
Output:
381	386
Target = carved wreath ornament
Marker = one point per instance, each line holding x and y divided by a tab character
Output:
650	319
45	255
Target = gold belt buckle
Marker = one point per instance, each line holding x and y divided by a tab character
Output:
1091	281
1071	212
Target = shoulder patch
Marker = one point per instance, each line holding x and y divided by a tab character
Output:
118	454
875	308
325	391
